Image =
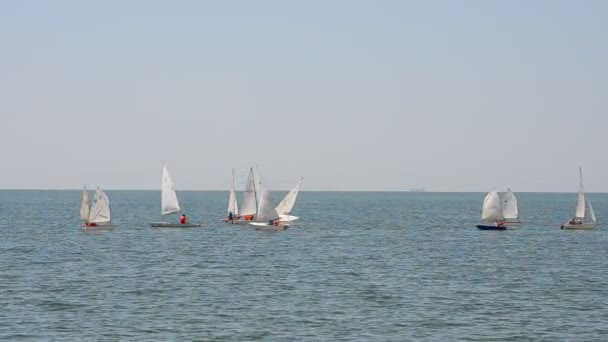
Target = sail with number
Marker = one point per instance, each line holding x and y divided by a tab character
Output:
232	203
169	203
510	211
249	205
100	210
492	209
84	206
286	205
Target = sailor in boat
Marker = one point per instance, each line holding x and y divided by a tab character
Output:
91	224
183	219
575	221
499	223
230	217
273	222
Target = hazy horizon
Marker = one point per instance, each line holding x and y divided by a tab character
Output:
351	95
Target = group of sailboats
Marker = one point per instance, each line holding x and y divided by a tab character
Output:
499	214
257	205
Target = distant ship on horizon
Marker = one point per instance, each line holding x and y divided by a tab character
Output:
418	190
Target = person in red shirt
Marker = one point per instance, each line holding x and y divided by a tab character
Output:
183	219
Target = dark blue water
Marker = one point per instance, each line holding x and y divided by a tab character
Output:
357	266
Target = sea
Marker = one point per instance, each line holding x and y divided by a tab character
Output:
357	266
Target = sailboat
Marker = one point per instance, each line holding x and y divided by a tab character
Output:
584	218
286	205
98	215
266	217
233	207
169	203
249	205
491	212
510	210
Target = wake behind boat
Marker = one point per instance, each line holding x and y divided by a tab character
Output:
583	208
170	204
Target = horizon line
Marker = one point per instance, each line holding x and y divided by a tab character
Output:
226	190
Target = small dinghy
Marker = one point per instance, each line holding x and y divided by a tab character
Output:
491	213
249	204
584	218
169	203
266	217
97	215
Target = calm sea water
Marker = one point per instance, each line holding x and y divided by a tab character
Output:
357	266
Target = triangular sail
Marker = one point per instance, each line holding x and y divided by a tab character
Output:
509	206
169	203
84	206
286	205
100	211
232	204
591	211
491	210
249	205
580	204
266	211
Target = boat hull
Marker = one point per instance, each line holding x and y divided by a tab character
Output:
242	222
490	227
578	226
174	225
98	227
266	226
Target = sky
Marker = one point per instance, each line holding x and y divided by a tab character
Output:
351	95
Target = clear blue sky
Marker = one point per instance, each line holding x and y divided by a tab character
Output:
352	95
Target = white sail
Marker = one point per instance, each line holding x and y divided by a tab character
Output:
84	207
232	204
491	210
580	204
169	203
266	211
100	211
249	205
509	206
286	205
591	211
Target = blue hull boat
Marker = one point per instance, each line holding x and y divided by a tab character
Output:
490	227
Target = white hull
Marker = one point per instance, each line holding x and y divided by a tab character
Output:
287	218
174	225
578	226
241	222
267	226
